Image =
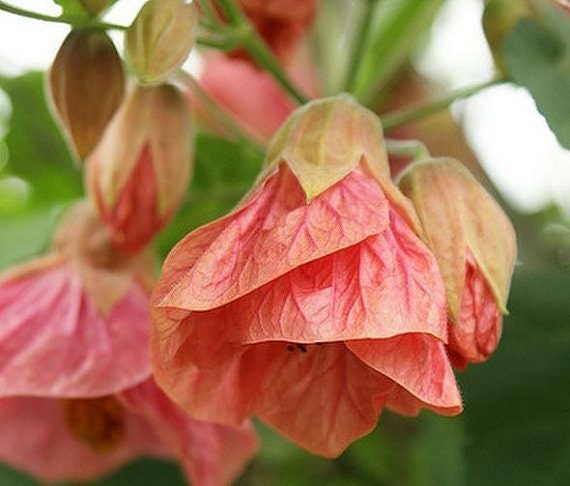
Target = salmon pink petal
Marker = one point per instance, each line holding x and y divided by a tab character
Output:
211	454
55	342
274	232
419	364
384	286
476	334
320	396
37	439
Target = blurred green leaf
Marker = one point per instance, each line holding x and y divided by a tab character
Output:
396	28
517	406
538	58
224	172
36	150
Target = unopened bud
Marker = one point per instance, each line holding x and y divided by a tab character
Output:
139	172
461	219
95	7
161	38
87	85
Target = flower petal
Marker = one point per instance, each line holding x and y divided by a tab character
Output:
476	333
419	364
55	342
274	232
36	438
320	396
211	454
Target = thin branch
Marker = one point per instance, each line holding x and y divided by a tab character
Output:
74	20
403	117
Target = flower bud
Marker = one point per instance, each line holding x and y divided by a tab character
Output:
87	84
160	39
139	172
326	139
95	7
475	246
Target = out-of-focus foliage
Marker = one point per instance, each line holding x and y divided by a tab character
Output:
516	423
537	55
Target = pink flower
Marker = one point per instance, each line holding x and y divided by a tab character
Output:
478	330
264	111
281	23
81	439
475	246
139	172
314	302
75	323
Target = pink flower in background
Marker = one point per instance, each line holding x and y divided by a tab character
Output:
314	302
75	323
81	439
258	103
281	23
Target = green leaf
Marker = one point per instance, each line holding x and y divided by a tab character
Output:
397	26
517	406
538	58
36	150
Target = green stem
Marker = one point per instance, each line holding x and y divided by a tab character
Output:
359	41
395	120
209	13
225	120
413	149
258	50
74	20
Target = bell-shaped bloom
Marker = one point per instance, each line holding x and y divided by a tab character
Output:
314	303
226	80
82	439
475	246
139	172
75	323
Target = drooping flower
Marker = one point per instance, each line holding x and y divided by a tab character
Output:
76	397
75	322
227	79
475	246
314	304
82	439
139	172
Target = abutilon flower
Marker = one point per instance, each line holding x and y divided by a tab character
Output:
475	246
312	305
81	439
76	396
139	172
75	322
226	79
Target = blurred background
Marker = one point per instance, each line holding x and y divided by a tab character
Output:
516	426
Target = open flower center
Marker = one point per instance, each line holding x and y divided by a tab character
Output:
98	422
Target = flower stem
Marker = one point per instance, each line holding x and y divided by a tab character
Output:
224	119
359	41
258	50
403	117
413	149
74	20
